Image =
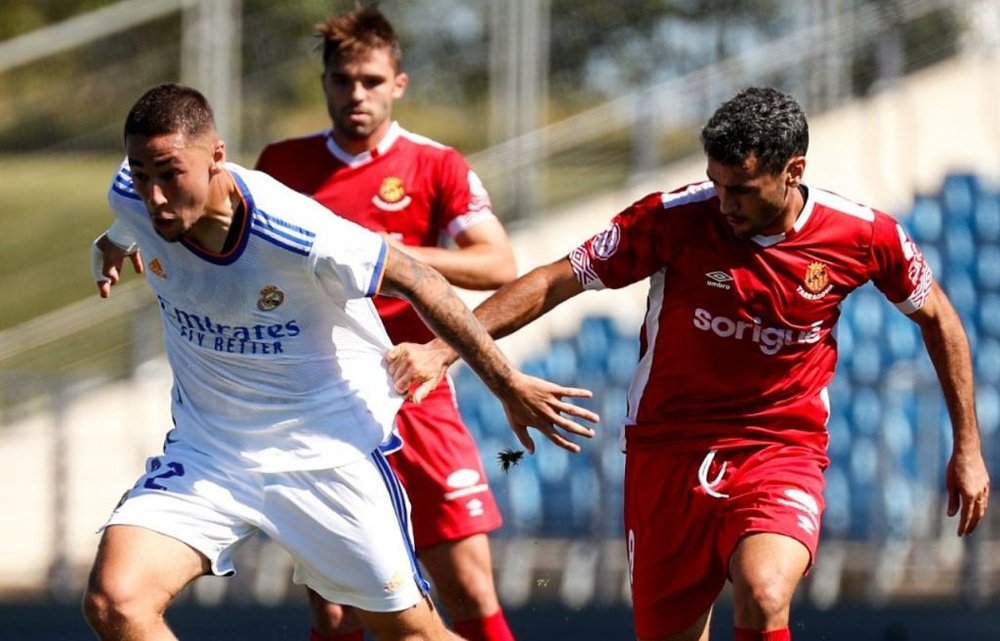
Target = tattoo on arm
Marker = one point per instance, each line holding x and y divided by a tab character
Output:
447	315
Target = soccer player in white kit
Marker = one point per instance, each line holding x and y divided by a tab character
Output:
725	433
281	394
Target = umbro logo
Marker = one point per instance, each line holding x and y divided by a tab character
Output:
719	279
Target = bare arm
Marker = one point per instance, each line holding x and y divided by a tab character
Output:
528	401
420	367
967	480
483	260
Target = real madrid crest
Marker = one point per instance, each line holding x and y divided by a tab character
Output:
270	298
816	282
391	194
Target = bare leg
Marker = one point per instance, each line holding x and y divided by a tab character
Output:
766	568
136	574
463	577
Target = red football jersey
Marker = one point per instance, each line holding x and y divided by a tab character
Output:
409	186
738	344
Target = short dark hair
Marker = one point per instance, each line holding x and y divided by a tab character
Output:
170	109
357	32
759	121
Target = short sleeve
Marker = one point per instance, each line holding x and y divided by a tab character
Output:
624	252
126	205
349	260
463	197
898	267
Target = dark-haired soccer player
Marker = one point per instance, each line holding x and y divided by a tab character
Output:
725	436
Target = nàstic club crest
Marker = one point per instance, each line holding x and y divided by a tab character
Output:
391	194
816	282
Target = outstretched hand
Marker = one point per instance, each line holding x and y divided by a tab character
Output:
534	402
106	264
968	485
528	401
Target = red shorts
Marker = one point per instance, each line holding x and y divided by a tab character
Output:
685	512
440	467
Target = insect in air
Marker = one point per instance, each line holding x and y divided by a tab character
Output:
509	458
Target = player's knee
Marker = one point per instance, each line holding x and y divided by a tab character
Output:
111	603
763	594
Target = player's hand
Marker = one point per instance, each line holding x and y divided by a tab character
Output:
537	403
107	259
968	485
416	369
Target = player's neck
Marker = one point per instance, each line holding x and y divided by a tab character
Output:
795	204
356	146
212	229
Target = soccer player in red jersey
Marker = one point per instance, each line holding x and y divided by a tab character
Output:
725	435
414	191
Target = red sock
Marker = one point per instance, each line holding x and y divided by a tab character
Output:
356	635
781	634
491	628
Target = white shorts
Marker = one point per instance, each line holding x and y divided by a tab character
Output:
347	528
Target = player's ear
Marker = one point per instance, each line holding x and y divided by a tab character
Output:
218	156
796	168
400	83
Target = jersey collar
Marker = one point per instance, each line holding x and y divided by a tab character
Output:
800	222
365	157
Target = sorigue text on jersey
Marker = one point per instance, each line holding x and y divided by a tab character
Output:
233	339
769	339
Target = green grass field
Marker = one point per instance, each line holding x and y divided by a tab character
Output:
53	207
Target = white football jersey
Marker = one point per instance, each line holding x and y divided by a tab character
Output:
276	348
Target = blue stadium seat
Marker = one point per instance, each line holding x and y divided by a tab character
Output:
988	268
898	430
866	413
623	356
986	219
925	222
988	315
897	506
524	491
866	313
988	409
593	340
560	362
839	448
959	247
902	337
865	366
958	195
987	361
837	495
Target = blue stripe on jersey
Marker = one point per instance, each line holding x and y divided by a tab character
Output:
377	272
399	504
281	233
123	184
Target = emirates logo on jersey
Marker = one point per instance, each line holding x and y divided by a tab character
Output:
391	195
816	282
156	267
270	298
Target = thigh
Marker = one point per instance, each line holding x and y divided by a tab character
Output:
184	497
670	529
443	473
348	533
134	563
774	490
